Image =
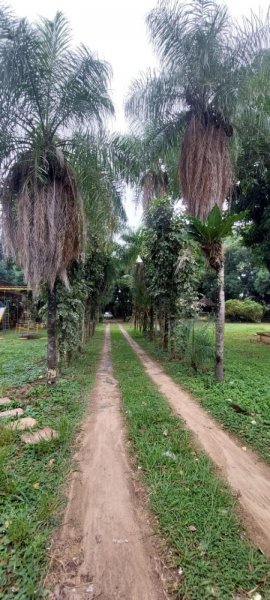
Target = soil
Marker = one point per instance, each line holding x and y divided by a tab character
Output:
106	548
246	474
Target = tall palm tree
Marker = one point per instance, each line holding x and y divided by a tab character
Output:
206	64
50	89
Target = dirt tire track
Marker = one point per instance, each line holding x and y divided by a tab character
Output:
246	474
105	547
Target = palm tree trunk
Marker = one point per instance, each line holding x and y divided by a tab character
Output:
165	344
152	322
52	358
220	323
145	320
172	338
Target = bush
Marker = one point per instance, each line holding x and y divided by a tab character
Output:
194	342
244	310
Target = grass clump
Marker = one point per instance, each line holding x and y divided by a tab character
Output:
32	477
194	508
246	383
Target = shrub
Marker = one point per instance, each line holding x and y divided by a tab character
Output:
194	342
244	310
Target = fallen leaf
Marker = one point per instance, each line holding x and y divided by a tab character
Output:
169	454
36	485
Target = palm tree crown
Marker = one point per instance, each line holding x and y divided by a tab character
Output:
49	89
206	60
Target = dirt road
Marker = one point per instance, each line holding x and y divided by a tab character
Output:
105	550
246	474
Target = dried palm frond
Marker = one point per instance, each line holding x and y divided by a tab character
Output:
205	166
214	254
154	185
42	215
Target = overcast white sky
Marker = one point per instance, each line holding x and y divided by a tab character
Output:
116	30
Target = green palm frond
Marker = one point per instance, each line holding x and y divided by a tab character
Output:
155	98
215	228
210	234
99	183
48	85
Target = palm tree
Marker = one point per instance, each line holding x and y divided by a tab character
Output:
206	63
50	90
210	234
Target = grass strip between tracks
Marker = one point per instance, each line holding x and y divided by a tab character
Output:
195	510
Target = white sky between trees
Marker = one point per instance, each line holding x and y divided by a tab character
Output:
116	31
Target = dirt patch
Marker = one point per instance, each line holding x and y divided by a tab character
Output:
104	548
247	475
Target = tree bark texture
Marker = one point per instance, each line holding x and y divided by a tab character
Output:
52	355
220	323
152	322
166	333
172	339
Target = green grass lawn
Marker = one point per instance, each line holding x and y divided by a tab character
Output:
32	477
21	361
195	510
247	383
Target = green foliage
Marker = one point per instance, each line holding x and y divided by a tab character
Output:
163	238
195	343
215	228
216	560
244	310
70	311
253	192
188	273
9	272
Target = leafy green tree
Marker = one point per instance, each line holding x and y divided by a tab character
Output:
163	238
9	272
50	90
253	195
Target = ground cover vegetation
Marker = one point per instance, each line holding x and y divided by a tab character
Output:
241	403
194	509
32	490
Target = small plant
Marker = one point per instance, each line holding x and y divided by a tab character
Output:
244	310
